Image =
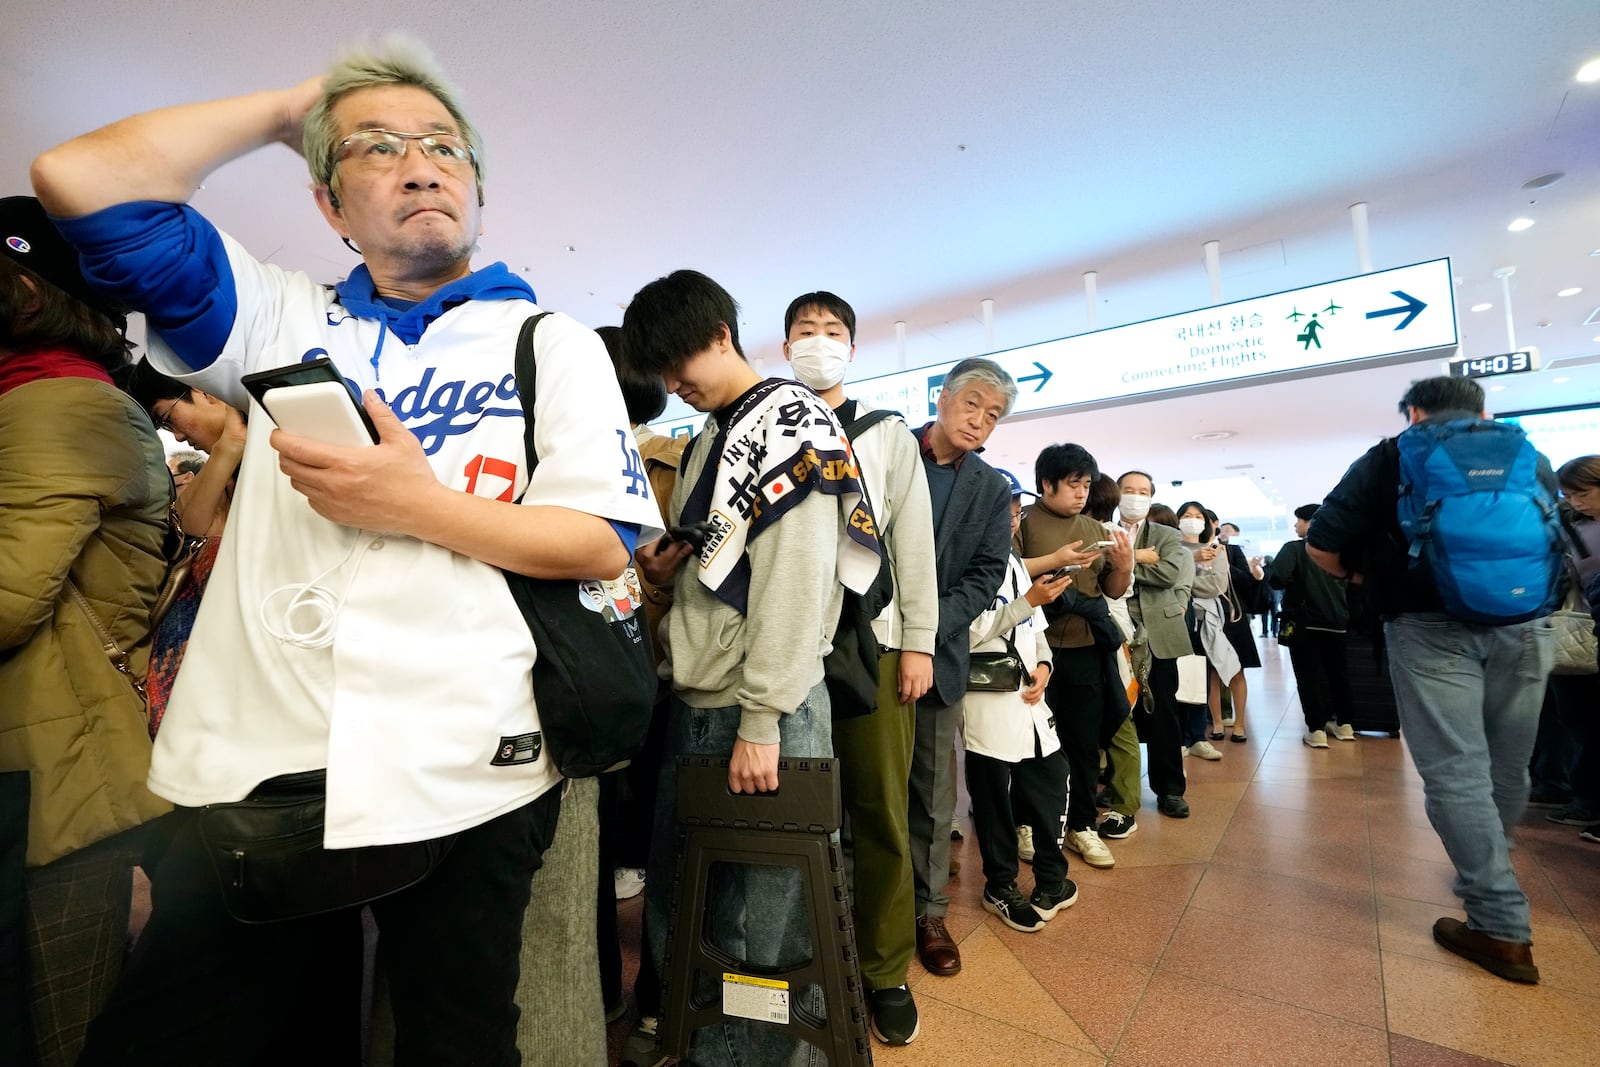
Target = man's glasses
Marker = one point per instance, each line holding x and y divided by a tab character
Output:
383	149
163	418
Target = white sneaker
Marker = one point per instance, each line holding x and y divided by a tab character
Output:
1315	739
1205	750
1227	720
1025	844
629	882
1186	750
1343	733
1087	844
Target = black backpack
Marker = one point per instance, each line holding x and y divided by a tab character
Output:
851	669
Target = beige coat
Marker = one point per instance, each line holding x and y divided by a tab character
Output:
84	492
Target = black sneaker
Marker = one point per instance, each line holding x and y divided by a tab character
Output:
1591	832
894	1015
1173	806
1007	903
1047	902
1117	826
1573	814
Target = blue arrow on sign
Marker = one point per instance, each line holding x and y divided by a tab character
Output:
1410	309
1043	376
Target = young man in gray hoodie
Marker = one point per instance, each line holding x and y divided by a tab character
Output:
769	491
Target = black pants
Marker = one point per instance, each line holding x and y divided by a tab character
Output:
1076	694
205	990
1040	784
1160	726
1322	677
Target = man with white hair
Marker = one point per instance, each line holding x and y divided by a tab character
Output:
971	504
396	686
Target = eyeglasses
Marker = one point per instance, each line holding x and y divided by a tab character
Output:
163	418
383	149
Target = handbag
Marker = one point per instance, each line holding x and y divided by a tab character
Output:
594	679
996	672
267	852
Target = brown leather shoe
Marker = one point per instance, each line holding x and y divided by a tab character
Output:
1507	959
935	948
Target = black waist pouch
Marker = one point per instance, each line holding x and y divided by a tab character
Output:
268	855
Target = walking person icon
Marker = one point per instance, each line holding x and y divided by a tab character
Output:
1308	336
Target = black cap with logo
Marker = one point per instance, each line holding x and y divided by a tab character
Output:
30	239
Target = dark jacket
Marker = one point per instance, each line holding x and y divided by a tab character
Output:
972	542
1360	522
1315	597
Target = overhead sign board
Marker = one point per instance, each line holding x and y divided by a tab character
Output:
1370	316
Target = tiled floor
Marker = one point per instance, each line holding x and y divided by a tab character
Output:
1286	923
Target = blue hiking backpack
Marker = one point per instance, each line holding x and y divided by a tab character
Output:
1473	510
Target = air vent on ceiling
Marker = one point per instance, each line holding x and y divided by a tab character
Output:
1239	467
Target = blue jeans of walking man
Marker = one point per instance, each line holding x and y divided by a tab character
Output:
1469	699
758	913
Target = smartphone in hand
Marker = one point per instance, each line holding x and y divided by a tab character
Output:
312	400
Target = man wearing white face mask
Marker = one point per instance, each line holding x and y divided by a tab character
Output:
874	749
1163	574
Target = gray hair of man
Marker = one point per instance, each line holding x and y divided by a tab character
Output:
980	371
397	59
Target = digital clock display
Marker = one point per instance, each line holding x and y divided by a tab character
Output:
1489	366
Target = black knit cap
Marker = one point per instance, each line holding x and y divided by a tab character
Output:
29	238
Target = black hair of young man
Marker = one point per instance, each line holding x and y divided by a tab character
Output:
1438	395
1060	462
1305	512
644	396
676	317
827	302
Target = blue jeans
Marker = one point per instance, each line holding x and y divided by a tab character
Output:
1469	699
758	913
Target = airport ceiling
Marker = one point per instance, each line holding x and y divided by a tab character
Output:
921	156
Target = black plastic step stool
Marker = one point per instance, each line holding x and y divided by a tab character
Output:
789	828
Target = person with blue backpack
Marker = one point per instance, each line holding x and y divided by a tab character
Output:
1452	527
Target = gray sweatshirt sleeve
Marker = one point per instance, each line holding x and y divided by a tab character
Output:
795	598
912	552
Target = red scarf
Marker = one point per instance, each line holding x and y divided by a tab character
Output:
48	363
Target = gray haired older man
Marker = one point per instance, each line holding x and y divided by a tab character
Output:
972	539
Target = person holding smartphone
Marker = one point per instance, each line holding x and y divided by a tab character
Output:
1088	699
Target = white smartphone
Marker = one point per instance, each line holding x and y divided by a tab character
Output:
312	400
1104	544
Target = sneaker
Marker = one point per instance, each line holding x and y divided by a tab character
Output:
617	1010
1572	815
642	1047
1047	902
893	1015
1087	844
955	829
1025	844
1116	826
629	882
1173	806
1205	750
1007	905
1591	832
1186	751
1315	739
1342	731
1227	720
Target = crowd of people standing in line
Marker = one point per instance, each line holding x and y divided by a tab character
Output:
1057	637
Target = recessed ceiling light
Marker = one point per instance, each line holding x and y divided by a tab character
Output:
1497	388
1481	307
1590	71
1518	225
1543	181
1573	291
1561	380
1212	435
1594	251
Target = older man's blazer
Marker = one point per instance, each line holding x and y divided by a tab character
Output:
1163	589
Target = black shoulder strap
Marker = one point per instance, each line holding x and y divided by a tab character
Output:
860	423
526	369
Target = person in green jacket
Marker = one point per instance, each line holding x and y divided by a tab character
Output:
84	495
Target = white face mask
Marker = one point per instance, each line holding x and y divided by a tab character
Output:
819	361
1134	507
1192	526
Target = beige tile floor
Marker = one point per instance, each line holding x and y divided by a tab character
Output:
1285	923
